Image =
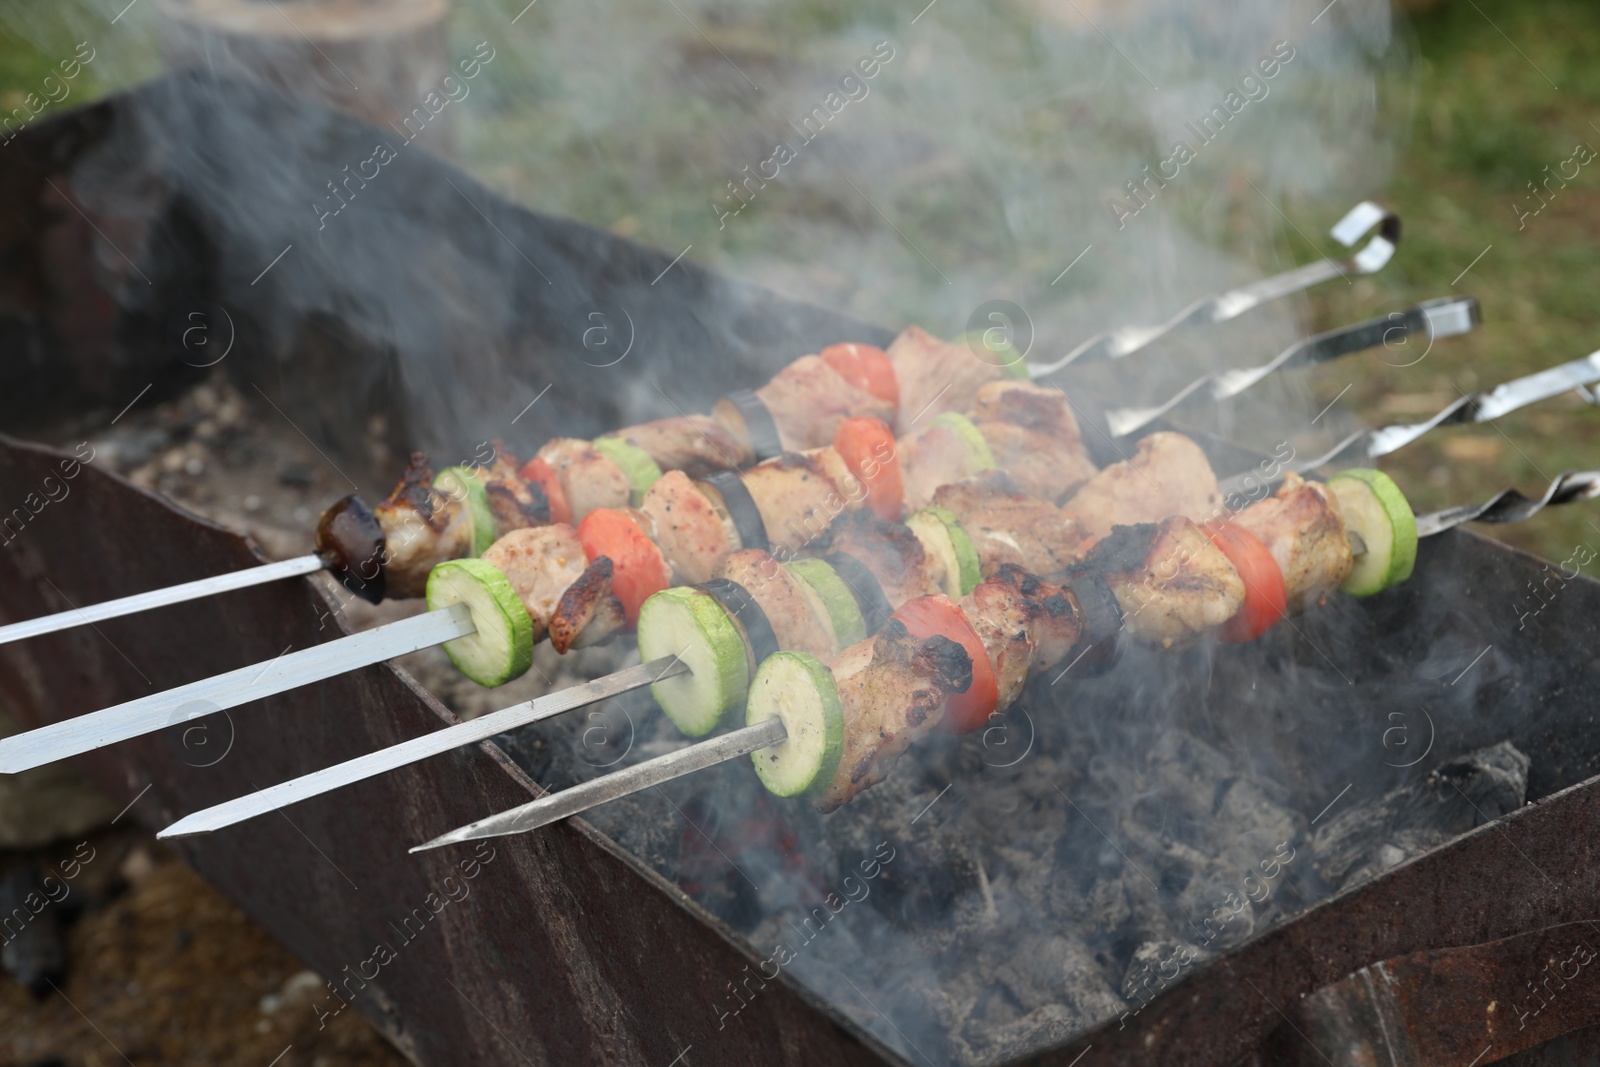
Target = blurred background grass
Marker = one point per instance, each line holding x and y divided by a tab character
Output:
1490	93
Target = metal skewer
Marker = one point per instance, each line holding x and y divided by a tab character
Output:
1506	506
608	787
1486	405
47	744
1359	220
420	748
1445	317
160	598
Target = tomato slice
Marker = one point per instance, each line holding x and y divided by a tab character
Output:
543	475
639	570
867	447
938	614
865	367
1266	598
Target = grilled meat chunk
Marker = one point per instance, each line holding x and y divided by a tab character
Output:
787	609
797	498
808	399
589	479
515	504
892	688
934	375
1007	527
696	444
422	527
589	612
930	457
1173	584
690	532
890	551
1034	437
1168	475
1303	529
541	563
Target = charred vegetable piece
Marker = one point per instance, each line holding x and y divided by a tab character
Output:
639	569
634	461
741	508
754	627
867	447
800	690
1266	598
459	483
971	437
689	623
1376	511
350	540
742	410
929	615
502	649
866	367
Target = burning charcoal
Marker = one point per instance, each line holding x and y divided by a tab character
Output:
1042	971
296	475
34	954
1455	797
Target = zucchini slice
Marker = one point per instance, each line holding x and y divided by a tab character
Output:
831	599
502	649
637	464
971	436
864	586
459	483
1003	355
689	623
1376	511
798	689
966	553
935	538
755	629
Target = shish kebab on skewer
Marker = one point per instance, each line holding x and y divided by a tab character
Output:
829	730
625	564
234	688
1364	219
1305	559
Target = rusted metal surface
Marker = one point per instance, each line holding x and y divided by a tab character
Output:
1478	1003
560	947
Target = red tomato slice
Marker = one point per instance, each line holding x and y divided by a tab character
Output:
865	367
938	614
639	571
1266	598
867	447
545	477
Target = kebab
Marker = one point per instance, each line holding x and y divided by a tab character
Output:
714	637
351	538
830	730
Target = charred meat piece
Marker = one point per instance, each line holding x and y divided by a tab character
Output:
541	563
797	498
588	613
930	457
589	479
1006	526
1303	529
697	444
691	533
787	609
892	688
1016	600
890	551
516	504
1172	582
1034	437
808	399
351	541
422	527
1169	475
935	375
